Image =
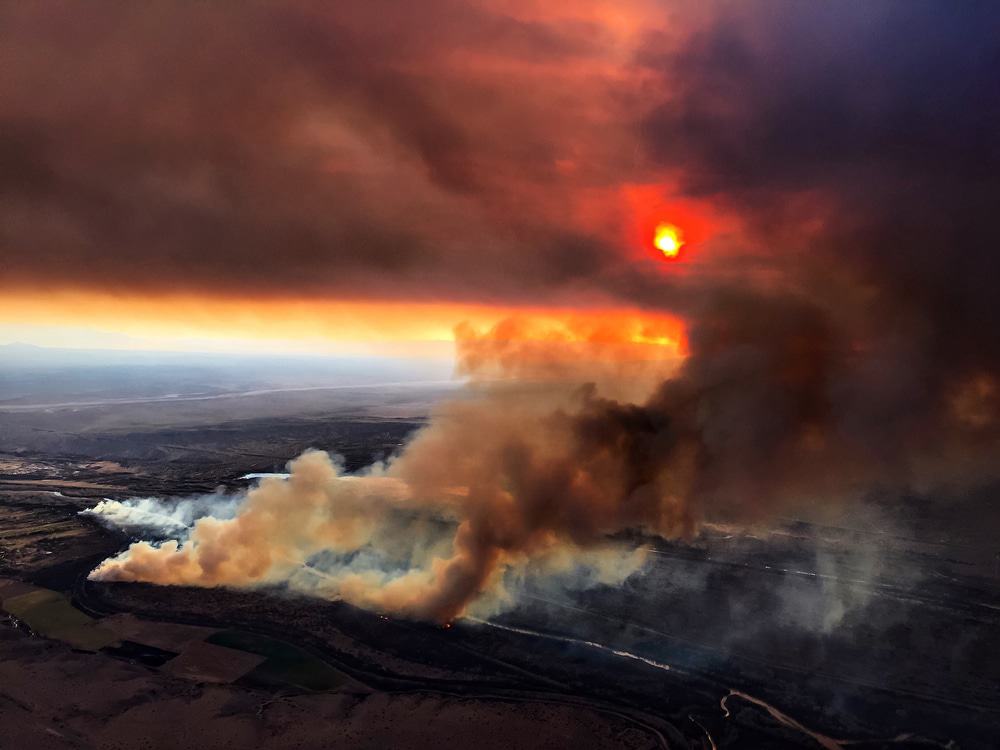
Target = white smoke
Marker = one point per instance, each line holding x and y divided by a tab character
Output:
365	539
163	518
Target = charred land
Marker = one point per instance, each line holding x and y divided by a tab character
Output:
788	634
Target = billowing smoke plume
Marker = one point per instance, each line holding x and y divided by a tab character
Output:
771	408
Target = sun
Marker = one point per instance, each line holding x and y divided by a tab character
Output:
668	240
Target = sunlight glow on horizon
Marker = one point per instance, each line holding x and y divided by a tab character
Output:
81	320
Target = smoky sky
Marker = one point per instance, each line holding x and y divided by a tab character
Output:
473	151
862	141
357	149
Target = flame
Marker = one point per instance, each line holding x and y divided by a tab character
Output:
668	240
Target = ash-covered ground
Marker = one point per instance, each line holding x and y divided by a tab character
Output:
876	627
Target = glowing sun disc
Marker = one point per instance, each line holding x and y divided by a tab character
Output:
667	240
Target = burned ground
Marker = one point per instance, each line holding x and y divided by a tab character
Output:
860	632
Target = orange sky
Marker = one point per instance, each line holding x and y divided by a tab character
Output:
366	175
349	186
95	320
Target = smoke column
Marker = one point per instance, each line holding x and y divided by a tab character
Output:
771	408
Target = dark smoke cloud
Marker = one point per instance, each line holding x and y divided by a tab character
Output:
447	151
360	149
764	417
863	143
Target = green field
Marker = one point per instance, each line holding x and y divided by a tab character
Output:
50	614
285	663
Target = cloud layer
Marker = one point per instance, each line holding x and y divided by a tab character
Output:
387	150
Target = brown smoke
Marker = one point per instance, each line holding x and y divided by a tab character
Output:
772	408
626	356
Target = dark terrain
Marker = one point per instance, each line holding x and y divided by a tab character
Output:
804	632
